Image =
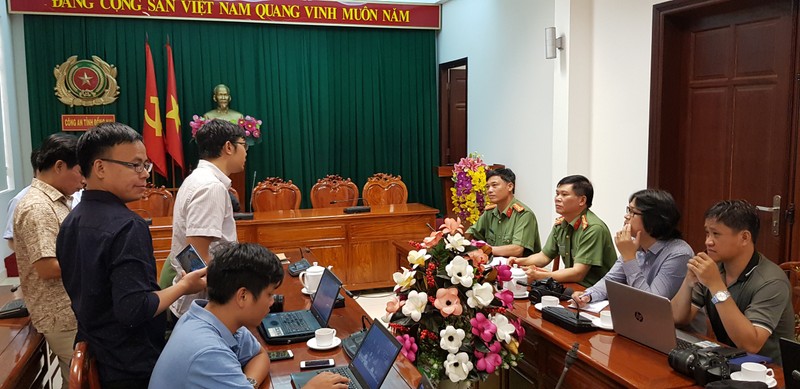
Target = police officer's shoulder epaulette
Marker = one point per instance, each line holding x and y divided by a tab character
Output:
490	206
559	220
584	222
518	208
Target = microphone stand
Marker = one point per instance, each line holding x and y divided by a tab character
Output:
572	356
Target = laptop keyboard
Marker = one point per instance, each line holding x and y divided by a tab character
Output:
294	323
343	371
684	345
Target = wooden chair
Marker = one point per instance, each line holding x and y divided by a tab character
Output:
792	270
275	194
334	191
384	189
83	369
155	202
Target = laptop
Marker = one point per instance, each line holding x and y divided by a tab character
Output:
647	319
790	359
298	326
370	365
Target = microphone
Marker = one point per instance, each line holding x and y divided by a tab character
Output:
346	200
347	292
795	375
353	209
572	356
252	188
561	316
431	227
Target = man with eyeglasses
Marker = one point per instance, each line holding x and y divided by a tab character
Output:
203	213
105	252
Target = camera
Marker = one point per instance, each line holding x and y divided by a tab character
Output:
703	365
546	287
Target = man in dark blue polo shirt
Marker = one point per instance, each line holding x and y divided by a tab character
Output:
107	265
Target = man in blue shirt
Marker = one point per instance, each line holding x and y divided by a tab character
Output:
211	346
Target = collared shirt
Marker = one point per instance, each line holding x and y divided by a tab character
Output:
107	265
508	226
585	240
12	205
37	220
202	208
203	353
763	294
659	270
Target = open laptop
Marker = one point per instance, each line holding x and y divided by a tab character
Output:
790	359
298	326
647	319
370	365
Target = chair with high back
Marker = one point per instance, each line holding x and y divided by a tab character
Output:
275	194
384	189
155	202
334	191
792	270
83	369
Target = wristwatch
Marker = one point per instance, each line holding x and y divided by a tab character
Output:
720	296
253	382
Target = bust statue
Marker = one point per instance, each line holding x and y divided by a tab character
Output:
222	97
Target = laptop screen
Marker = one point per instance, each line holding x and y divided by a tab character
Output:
790	358
376	355
328	289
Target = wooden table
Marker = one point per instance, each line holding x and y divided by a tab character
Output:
23	352
358	246
345	320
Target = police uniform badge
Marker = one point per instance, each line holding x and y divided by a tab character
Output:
86	83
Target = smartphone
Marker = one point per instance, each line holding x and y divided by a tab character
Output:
190	260
280	355
316	363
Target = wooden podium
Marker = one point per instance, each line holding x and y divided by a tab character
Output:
445	174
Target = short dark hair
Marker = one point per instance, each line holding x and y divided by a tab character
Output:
581	186
96	142
660	214
213	135
57	147
242	265
505	174
34	159
738	215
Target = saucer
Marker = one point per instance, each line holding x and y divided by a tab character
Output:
305	291
737	376
521	295
312	343
598	323
538	306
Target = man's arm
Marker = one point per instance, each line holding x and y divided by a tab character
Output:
201	244
683	311
576	273
193	282
258	367
47	268
509	250
539	260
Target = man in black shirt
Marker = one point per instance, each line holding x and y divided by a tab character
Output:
107	265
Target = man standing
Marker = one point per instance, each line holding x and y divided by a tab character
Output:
507	224
37	219
579	237
106	255
747	296
203	214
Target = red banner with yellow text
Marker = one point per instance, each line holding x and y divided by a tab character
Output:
320	12
152	131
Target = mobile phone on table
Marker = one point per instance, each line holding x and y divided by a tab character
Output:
280	355
190	260
316	363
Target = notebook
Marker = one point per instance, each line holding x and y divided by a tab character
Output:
790	359
647	319
297	326
370	365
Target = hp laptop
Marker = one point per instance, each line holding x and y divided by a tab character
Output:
647	319
298	326
369	366
790	359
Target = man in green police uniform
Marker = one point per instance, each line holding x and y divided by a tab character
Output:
507	224
579	237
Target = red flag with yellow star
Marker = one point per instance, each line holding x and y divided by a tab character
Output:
152	131
173	117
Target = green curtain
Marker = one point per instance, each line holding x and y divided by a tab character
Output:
333	100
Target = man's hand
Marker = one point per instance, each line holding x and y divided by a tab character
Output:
534	273
327	380
626	245
705	270
582	298
193	282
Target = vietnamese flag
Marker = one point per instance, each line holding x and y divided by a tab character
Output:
152	132
173	117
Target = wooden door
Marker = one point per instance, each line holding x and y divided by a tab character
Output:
722	110
453	108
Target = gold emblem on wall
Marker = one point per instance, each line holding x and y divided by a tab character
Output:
86	83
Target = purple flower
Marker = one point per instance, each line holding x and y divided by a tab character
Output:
506	297
504	273
483	327
490	361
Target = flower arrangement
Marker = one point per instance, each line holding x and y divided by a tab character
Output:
250	125
469	191
447	313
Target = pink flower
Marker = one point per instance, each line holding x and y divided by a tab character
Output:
447	302
483	327
247	133
520	330
489	362
394	304
256	133
503	273
479	257
409	346
433	239
240	123
506	297
451	226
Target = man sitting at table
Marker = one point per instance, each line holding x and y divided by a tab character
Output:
747	297
211	346
507	224
579	237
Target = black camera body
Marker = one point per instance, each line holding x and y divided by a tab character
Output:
703	365
546	287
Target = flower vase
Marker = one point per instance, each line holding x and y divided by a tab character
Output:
447	384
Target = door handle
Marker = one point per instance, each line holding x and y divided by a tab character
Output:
775	209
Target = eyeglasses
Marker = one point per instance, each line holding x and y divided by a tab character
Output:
631	212
244	144
138	167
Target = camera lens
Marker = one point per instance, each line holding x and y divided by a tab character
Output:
682	361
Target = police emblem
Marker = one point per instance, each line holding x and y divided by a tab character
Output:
86	83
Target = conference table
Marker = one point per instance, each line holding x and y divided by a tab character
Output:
25	360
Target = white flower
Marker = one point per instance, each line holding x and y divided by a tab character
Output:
415	304
456	242
480	295
404	280
460	271
504	328
457	366
451	339
417	258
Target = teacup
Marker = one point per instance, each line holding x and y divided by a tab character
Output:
605	318
550	301
752	371
324	336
